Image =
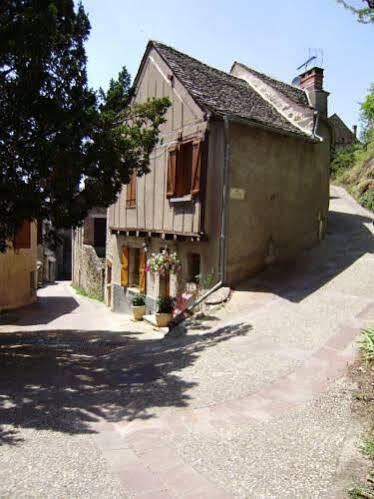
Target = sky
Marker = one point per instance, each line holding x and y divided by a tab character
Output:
271	36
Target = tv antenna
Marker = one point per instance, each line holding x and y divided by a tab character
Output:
315	56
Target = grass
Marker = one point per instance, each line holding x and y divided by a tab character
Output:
91	293
367	343
366	398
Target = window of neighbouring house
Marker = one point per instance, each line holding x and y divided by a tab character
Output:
184	169
99	232
131	192
22	240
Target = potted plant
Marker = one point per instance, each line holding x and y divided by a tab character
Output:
138	307
164	314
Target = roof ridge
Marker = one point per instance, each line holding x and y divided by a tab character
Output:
155	42
294	87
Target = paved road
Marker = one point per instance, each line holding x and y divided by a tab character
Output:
253	401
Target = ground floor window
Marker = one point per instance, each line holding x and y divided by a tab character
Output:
133	268
193	267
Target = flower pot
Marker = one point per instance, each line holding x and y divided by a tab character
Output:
138	312
162	320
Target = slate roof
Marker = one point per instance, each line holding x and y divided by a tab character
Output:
294	93
222	94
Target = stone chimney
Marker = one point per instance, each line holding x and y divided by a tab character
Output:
355	130
312	81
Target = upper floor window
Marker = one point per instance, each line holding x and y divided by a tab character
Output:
131	192
184	169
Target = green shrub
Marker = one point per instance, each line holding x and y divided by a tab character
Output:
367	199
165	305
344	159
138	300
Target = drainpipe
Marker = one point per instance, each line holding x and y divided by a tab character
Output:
222	240
316	122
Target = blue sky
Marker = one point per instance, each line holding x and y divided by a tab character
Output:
271	36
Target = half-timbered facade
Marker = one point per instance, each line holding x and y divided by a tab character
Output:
234	178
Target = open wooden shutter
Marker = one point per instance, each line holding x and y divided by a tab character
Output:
196	166
172	172
125	267
22	240
131	192
142	271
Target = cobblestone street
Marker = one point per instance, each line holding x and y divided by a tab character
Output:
251	401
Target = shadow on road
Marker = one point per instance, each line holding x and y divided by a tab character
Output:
66	380
347	240
46	309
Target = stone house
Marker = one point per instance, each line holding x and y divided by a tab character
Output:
342	135
88	253
239	179
18	269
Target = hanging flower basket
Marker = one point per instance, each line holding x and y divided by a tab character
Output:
164	263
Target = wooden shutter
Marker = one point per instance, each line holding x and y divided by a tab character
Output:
141	271
131	192
22	240
172	172
125	267
196	166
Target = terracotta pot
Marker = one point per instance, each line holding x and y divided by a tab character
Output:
162	320
138	312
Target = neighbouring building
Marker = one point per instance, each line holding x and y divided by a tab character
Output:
88	253
18	269
342	135
239	179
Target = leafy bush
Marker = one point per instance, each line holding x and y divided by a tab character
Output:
344	159
165	305
138	300
367	199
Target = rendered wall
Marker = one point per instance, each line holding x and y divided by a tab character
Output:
286	196
17	284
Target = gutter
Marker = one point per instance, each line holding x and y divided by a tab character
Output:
222	240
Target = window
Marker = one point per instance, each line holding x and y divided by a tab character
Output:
131	192
133	268
99	232
194	267
22	240
184	169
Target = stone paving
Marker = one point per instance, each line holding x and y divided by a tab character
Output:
251	400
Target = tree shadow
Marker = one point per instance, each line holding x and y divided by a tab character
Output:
46	309
67	380
347	240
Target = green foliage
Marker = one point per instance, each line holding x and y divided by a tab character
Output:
344	159
360	493
367	343
138	300
368	447
206	281
94	294
64	148
165	305
365	14
367	116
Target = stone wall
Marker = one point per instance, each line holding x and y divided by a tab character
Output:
88	271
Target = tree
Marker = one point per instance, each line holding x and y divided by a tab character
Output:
365	14
64	148
367	116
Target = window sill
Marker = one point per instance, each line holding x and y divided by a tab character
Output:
133	290
182	199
